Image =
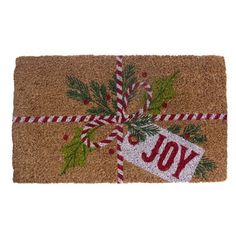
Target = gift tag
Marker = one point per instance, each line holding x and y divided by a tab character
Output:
166	155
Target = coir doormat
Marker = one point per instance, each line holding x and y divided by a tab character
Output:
90	119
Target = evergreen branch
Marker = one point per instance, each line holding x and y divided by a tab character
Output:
175	129
191	132
112	85
74	94
194	131
95	89
114	104
142	127
78	90
100	98
205	165
103	92
129	71
143	120
129	78
198	138
98	111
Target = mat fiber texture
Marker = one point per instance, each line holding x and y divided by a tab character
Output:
93	119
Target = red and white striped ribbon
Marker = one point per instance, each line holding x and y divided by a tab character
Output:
53	119
192	116
120	114
114	119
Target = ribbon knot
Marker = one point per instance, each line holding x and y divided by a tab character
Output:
120	118
123	118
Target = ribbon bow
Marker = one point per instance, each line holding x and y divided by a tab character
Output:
120	117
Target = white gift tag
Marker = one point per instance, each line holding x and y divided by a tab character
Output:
166	155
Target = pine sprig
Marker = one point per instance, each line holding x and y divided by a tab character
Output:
191	132
194	131
112	85
129	77
114	104
97	111
94	85
98	94
205	165
81	92
100	98
175	129
78	90
142	127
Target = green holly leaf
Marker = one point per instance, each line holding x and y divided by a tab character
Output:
163	91
75	152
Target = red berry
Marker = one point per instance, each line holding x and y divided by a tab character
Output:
144	74
164	105
111	151
65	137
187	136
86	102
108	97
132	140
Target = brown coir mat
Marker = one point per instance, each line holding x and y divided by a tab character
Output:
92	119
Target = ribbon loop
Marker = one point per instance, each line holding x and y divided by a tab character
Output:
148	91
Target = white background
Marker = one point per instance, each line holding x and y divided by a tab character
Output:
115	27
